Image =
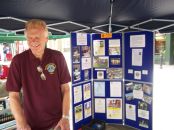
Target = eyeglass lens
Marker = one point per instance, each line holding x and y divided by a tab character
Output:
42	75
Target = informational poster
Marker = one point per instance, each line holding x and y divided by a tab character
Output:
100	105
114	47
131	112
78	113
99	89
99	47
137	41
86	91
114	108
137	57
77	94
86	63
81	38
115	89
87	109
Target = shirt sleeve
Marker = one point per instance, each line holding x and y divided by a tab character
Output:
14	76
64	72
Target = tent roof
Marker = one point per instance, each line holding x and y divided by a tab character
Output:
64	16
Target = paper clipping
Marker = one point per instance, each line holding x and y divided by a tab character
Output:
87	109
78	113
77	94
86	63
99	47
137	57
100	105
115	89
114	47
137	41
99	89
81	39
86	91
131	112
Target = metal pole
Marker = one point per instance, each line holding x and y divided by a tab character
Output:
110	17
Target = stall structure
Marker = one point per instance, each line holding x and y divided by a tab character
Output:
112	78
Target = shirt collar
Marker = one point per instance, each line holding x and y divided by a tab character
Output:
32	57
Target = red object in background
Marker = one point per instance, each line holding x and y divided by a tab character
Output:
9	57
4	71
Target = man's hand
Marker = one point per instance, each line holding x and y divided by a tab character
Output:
63	124
23	127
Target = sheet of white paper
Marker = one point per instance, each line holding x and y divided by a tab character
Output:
77	94
130	71
137	56
100	105
99	89
131	112
81	39
115	89
145	72
138	94
137	41
86	63
143	114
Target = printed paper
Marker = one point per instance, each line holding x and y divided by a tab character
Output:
137	56
115	89
100	105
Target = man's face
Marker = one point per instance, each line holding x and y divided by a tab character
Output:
37	39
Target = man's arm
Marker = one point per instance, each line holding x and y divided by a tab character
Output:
66	99
17	111
64	122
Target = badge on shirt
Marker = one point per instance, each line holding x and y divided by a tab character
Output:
50	68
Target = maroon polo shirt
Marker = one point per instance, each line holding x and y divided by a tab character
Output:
42	99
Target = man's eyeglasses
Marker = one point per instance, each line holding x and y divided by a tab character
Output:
40	70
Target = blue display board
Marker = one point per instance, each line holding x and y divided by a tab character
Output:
107	77
138	79
139	56
112	78
81	79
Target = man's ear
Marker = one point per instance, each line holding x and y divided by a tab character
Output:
25	33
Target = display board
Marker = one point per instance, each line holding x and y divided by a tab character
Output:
81	79
107	77
112	78
138	79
